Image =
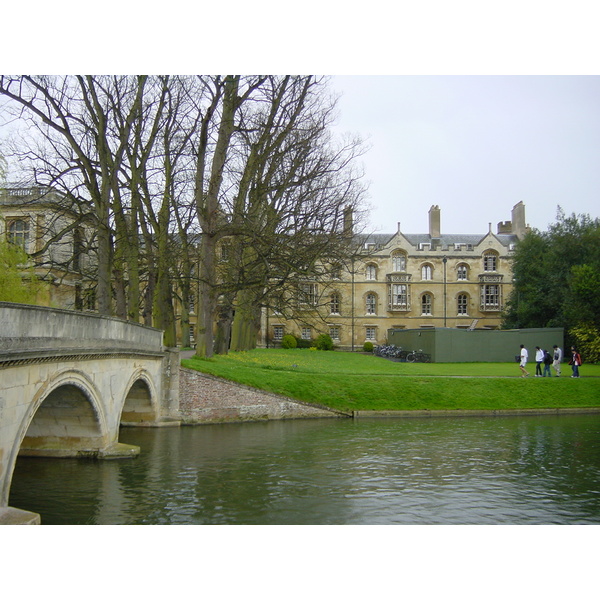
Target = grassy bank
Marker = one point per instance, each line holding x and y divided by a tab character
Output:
348	382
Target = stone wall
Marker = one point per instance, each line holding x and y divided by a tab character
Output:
207	399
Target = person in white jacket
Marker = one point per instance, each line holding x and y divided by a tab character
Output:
524	357
539	359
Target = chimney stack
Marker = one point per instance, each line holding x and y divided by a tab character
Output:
348	224
518	220
434	221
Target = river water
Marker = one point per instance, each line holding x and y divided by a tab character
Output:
494	470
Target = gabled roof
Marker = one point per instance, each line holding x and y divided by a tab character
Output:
383	239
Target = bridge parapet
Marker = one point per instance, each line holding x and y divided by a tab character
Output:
26	329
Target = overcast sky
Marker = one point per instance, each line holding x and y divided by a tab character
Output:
475	146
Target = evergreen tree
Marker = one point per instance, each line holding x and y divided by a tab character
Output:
557	279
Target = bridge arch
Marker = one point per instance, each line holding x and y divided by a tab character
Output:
65	418
140	403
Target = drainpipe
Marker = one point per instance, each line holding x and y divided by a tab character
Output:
352	313
444	260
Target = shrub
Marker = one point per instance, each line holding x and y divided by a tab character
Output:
587	341
288	341
300	343
368	347
324	342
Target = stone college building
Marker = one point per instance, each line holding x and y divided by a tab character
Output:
409	281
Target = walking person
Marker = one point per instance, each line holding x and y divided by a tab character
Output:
524	357
547	363
539	359
557	359
575	361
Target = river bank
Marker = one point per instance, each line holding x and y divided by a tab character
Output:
355	383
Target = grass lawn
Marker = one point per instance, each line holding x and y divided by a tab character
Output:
351	381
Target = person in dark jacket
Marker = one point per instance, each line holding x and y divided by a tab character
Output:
547	363
575	362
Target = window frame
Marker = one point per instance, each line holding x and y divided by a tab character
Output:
371	303
462	304
309	294
18	237
491	291
490	257
335	303
399	260
371	272
427	272
399	290
427	304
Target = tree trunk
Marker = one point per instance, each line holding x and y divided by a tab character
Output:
207	207
246	322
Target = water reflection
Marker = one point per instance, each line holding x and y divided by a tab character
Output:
509	470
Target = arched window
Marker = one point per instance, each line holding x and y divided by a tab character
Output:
490	261
426	304
18	233
426	272
371	272
462	272
371	304
334	304
398	261
462	302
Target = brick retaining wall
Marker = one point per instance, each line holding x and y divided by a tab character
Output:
207	399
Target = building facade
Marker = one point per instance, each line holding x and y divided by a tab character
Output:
409	281
36	219
394	281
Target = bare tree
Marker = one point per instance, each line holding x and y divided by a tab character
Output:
71	117
288	215
165	171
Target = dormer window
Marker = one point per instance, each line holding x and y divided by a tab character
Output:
399	261
490	261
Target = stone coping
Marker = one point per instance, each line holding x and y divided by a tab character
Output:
21	357
361	414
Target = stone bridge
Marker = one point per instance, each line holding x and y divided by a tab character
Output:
69	380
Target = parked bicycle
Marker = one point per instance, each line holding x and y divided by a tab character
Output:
390	351
418	356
